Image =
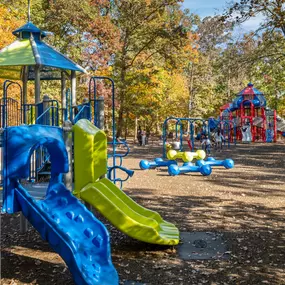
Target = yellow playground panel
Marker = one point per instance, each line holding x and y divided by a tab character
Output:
90	163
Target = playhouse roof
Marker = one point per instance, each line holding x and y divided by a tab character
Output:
28	27
249	90
30	50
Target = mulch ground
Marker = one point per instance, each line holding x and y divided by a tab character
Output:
245	204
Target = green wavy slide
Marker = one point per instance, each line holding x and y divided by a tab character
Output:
90	163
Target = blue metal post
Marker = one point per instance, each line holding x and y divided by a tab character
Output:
93	99
6	85
176	128
164	139
192	134
181	135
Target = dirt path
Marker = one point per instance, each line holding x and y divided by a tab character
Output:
246	205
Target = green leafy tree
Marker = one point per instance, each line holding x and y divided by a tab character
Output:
150	31
272	10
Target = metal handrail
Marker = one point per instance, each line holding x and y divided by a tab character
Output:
129	172
191	121
77	117
46	111
120	154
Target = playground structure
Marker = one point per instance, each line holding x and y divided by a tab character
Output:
188	167
42	62
61	219
201	165
39	136
186	156
70	229
246	119
193	125
157	162
195	128
172	155
254	121
227	163
115	205
227	127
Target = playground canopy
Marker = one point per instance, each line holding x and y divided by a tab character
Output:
246	97
249	90
29	50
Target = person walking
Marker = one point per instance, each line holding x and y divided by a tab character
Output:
207	143
176	144
219	139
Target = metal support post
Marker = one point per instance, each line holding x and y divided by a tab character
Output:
68	177
63	98
100	112
46	117
73	91
25	92
23	224
37	84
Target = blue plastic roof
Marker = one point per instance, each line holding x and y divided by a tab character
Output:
28	27
250	90
44	55
50	57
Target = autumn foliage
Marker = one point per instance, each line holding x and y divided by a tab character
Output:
165	60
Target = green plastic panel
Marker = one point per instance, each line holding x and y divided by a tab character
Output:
18	53
90	154
129	217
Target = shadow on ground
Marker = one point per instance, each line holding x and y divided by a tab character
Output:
246	205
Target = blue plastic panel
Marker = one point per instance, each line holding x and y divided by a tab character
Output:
73	232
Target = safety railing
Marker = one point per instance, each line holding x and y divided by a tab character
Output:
28	114
1	157
112	175
9	112
193	123
84	113
10	108
42	158
49	117
38	160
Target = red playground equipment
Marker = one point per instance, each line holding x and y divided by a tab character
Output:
254	121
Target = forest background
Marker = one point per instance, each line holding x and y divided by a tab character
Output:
165	60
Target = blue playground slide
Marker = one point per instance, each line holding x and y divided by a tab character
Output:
71	230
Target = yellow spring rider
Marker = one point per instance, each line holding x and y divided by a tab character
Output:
186	156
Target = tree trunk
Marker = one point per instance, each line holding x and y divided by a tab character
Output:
191	97
126	125
157	127
120	121
136	129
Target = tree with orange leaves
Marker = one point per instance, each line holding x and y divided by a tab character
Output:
10	20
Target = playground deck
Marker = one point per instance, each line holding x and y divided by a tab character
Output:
35	189
246	205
